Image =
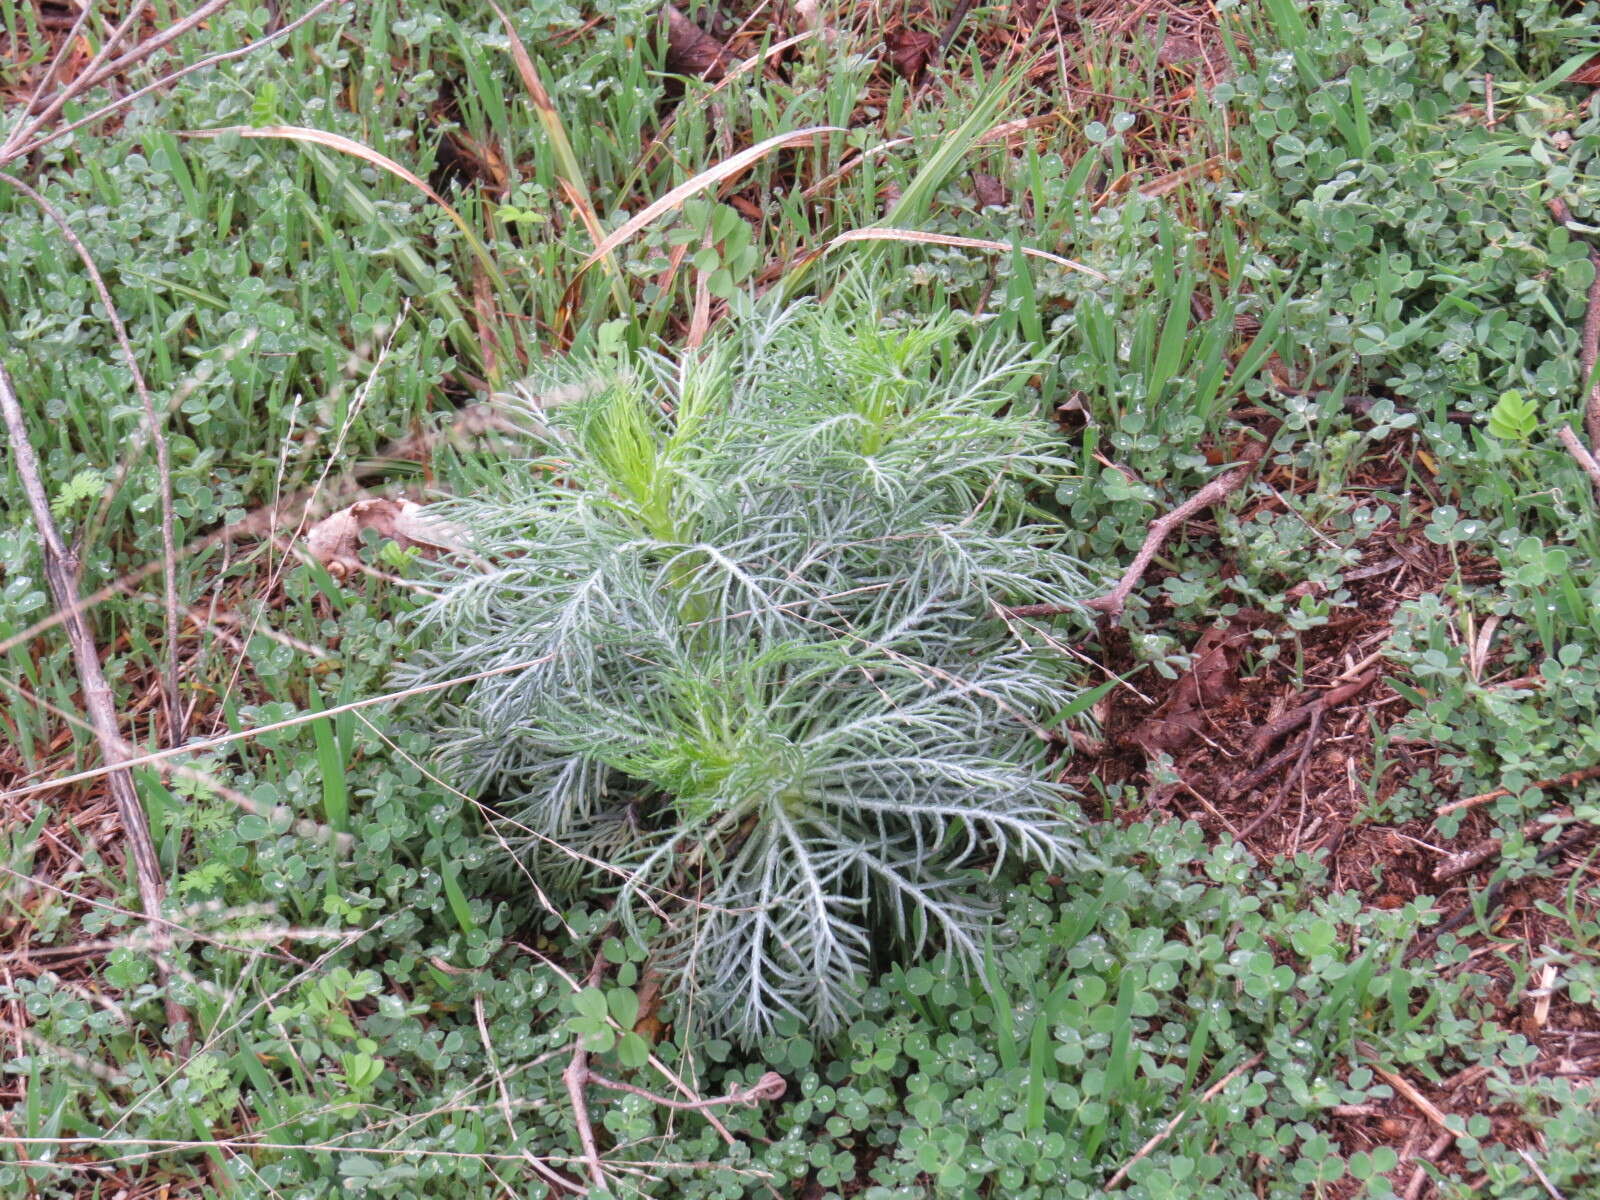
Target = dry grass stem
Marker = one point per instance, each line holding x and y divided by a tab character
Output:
169	551
61	574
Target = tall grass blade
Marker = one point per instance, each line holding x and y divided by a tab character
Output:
675	198
344	145
568	170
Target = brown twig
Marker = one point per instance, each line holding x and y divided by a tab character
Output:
770	1086
60	573
1296	717
1581	456
1538	1173
1254	780
550	1174
1474	856
41	139
1419	1176
576	1076
676	1081
1567	780
1486	902
1166	1130
1404	1086
171	700
1112	603
1312	712
1308	743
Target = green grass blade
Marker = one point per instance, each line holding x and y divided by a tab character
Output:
1004	1016
917	197
568	171
335	789
1174	338
456	898
1040	1060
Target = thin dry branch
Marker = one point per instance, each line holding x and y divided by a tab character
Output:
26	129
1401	1084
1161	528
1480	905
1476	855
1419	1176
40	139
1581	455
770	1086
63	51
1550	1189
1298	716
1588	356
156	41
1307	745
548	1173
60	573
1567	780
100	71
169	548
576	1077
1167	1130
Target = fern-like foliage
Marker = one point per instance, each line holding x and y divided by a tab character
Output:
768	690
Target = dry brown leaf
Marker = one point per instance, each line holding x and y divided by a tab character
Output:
335	541
693	51
909	51
816	19
988	190
1213	675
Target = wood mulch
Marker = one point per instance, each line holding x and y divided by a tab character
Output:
1298	755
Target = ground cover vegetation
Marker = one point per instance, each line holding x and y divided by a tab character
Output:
751	778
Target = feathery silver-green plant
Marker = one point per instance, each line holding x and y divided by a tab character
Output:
771	694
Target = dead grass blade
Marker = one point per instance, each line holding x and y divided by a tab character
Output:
880	234
568	171
675	198
344	145
60	573
227	739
